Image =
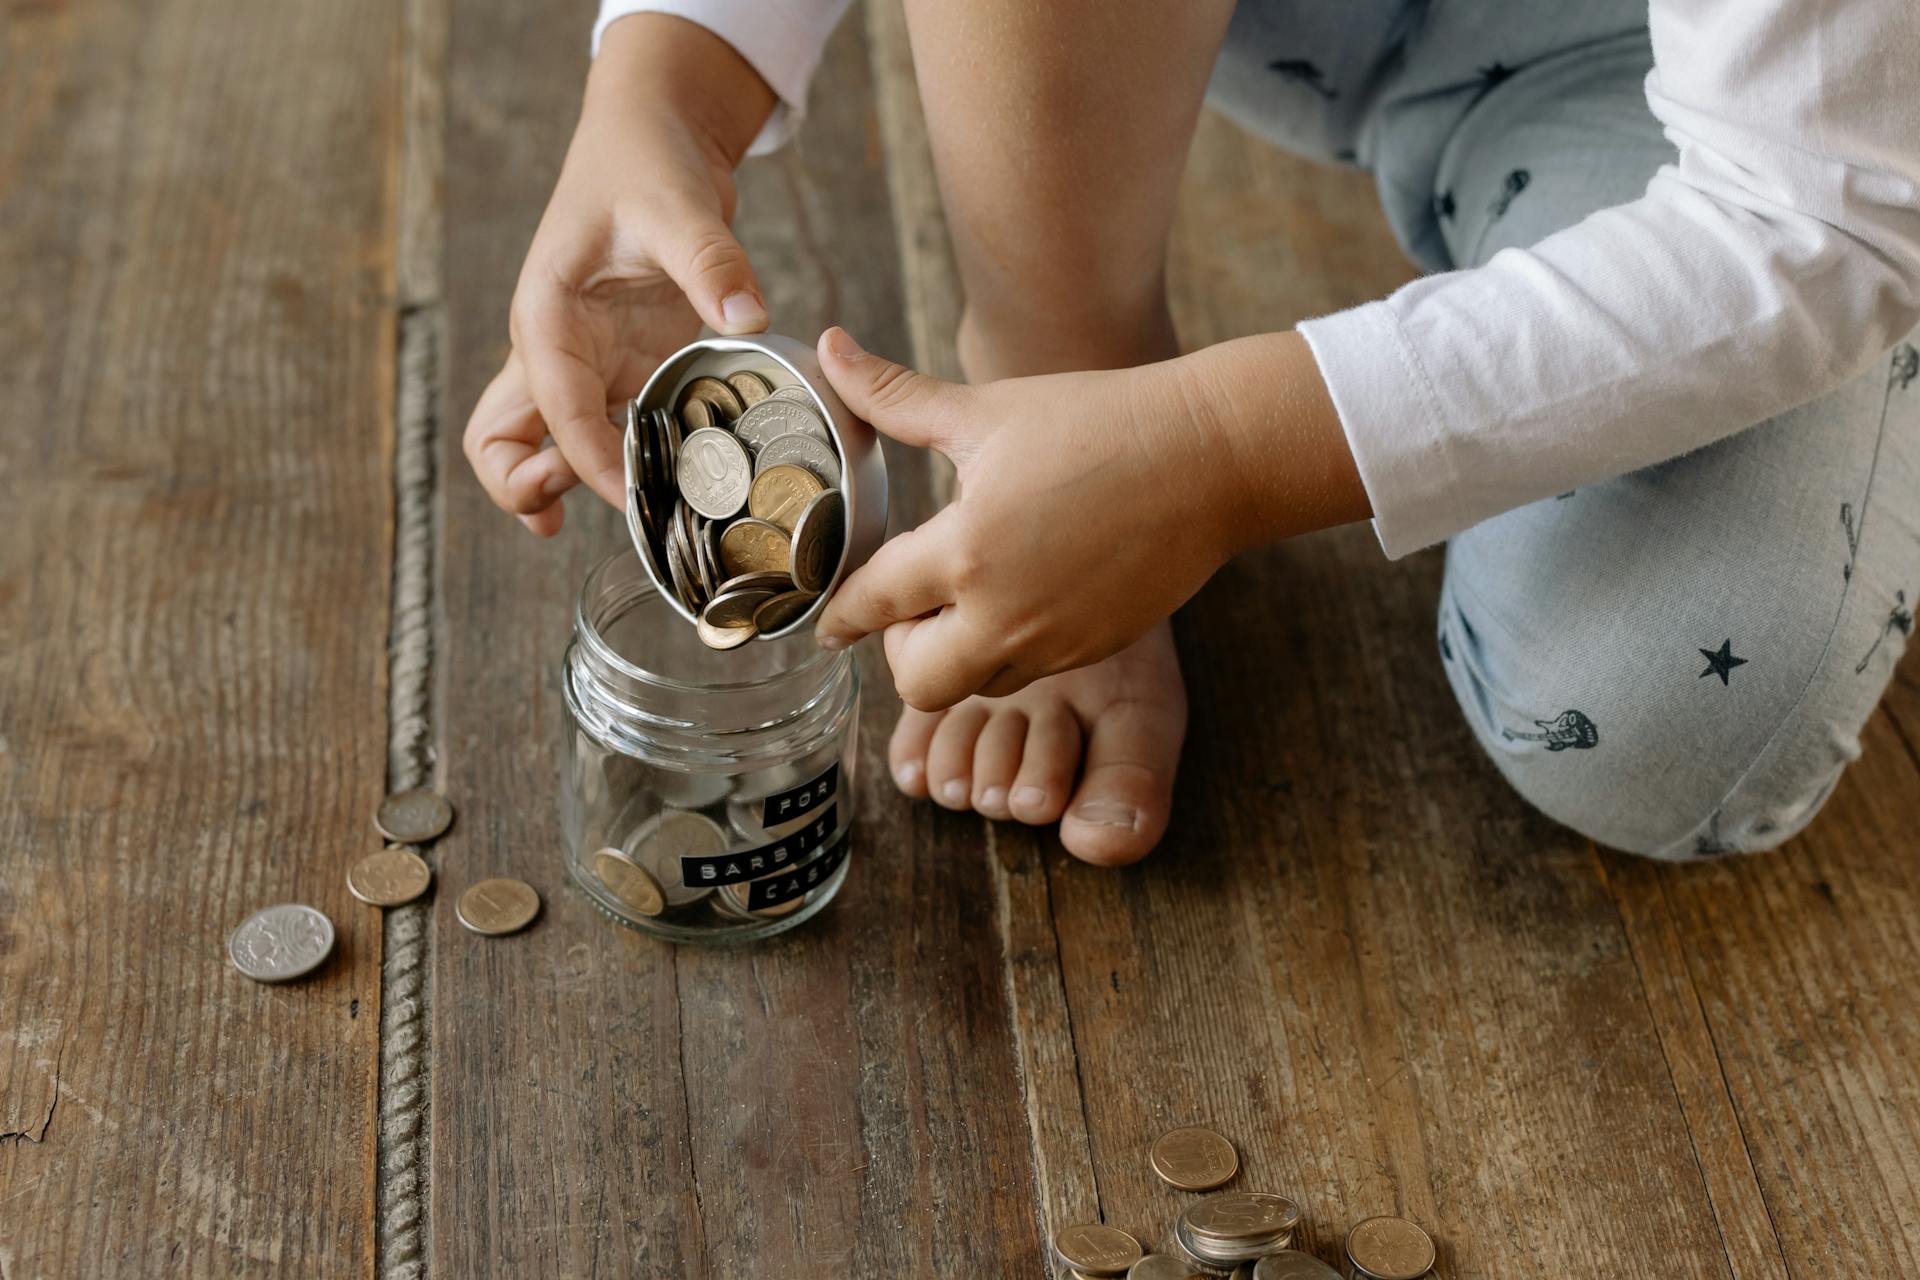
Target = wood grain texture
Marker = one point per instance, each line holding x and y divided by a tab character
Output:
195	232
609	1105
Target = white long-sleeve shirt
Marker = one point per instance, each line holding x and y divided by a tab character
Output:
1778	256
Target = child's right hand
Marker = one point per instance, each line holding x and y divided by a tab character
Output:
634	252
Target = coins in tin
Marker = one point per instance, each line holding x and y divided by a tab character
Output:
779	494
818	536
414	816
1390	1248
1194	1159
282	942
753	545
389	877
1094	1249
714	473
498	906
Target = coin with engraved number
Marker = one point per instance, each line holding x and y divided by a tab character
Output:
1390	1248
1162	1266
749	386
629	882
714	473
1213	1252
1291	1264
735	609
776	416
389	877
1096	1250
779	494
797	450
672	835
1194	1159
499	906
782	610
752	545
413	817
716	394
1240	1215
281	943
817	536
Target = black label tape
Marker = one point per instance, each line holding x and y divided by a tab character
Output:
808	796
774	890
750	864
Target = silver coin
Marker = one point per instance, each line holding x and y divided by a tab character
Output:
678	569
1226	1253
414	816
281	943
794	392
714	473
1291	1264
798	449
703	562
817	539
775	417
659	845
1240	1215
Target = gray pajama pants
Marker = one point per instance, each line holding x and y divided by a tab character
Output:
1677	662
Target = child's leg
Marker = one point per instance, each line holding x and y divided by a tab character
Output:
1677	662
1059	131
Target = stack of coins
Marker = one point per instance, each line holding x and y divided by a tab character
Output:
736	493
1235	1227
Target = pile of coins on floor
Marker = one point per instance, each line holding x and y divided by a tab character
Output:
737	494
1245	1235
290	940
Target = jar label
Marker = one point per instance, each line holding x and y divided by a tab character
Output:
787	805
774	890
750	864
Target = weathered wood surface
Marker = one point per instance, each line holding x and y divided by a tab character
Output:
196	239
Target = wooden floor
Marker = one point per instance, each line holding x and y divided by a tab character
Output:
1357	955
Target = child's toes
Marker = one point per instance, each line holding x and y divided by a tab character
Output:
1047	766
950	755
1126	795
996	758
907	753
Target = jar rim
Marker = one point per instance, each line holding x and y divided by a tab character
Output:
587	630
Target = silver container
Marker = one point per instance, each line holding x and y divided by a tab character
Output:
863	468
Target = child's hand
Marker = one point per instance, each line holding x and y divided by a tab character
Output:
633	253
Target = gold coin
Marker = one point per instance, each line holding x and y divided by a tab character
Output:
775	582
717	394
750	387
779	494
1290	1264
1194	1159
499	906
666	838
1390	1248
752	545
1096	1250
723	637
629	882
817	537
737	896
735	609
389	877
698	415
413	817
782	610
1162	1266
1240	1215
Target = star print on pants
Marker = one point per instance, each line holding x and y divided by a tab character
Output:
1721	662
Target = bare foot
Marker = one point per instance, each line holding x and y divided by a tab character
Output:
1020	756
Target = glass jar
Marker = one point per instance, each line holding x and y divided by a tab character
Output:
706	796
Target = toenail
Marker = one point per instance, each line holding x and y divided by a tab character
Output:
993	798
907	773
953	790
1106	813
1030	797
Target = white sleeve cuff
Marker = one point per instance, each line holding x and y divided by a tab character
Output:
1393	423
782	41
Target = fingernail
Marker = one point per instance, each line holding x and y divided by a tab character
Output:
907	774
993	798
742	310
831	642
953	790
844	346
1029	798
1106	813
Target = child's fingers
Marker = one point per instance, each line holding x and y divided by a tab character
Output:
700	253
905	578
913	408
503	445
570	393
938	661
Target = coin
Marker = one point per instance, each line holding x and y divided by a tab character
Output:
281	943
776	416
1291	1264
799	450
1210	1252
779	494
714	393
772	580
704	566
413	817
1096	1250
794	392
751	545
782	610
389	877
749	386
629	882
498	906
817	536
723	637
670	836
737	896
1194	1159
735	609
1162	1266
714	473
698	415
1390	1248
1240	1215
677	567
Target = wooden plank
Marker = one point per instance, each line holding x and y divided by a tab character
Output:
195	208
806	1107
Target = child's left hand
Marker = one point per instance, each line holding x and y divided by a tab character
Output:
1091	506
